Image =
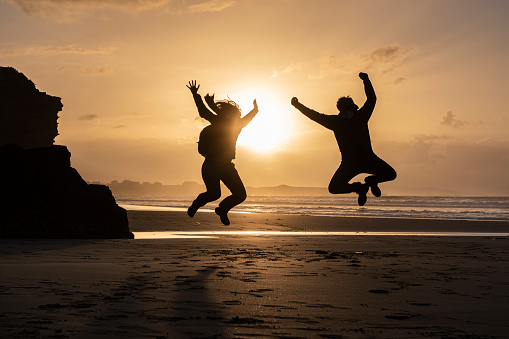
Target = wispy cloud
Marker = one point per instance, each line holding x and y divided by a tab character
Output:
399	80
56	50
288	70
450	120
388	58
211	6
97	70
63	9
384	59
69	10
86	70
88	117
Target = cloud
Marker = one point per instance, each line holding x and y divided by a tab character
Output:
464	166
211	6
86	70
97	70
431	138
397	81
288	70
63	9
388	58
384	59
88	117
67	10
449	119
56	50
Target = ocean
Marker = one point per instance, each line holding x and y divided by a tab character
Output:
459	208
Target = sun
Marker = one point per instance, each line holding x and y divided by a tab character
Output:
272	127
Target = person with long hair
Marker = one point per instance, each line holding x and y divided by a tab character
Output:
217	144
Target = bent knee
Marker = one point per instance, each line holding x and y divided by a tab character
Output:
333	190
393	175
241	196
214	195
340	189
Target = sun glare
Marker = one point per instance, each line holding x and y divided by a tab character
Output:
272	127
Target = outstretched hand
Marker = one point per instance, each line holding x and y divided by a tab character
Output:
294	101
255	105
193	86
363	76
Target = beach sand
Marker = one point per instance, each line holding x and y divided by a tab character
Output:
260	286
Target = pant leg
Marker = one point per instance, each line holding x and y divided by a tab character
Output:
380	170
230	177
339	183
210	173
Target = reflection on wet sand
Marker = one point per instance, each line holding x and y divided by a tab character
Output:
217	234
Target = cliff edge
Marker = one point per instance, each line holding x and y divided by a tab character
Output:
42	196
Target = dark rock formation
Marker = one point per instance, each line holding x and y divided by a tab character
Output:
42	196
29	117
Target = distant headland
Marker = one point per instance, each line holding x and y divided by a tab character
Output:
190	188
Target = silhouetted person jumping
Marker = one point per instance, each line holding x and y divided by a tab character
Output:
217	144
350	127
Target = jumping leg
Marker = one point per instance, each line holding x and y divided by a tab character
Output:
230	177
381	172
339	183
210	175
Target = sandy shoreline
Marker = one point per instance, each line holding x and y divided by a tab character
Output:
259	286
148	221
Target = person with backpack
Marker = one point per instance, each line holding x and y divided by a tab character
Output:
351	130
217	144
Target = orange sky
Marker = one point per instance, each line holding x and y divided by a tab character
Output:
120	66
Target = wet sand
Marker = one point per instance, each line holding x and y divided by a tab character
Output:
250	285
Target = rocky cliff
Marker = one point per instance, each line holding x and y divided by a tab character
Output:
28	117
42	196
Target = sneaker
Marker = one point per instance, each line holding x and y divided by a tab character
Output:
223	216
375	190
373	185
191	211
363	190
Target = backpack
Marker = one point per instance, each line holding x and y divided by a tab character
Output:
207	143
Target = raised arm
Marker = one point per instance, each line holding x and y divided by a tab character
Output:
369	105
323	119
248	117
203	111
